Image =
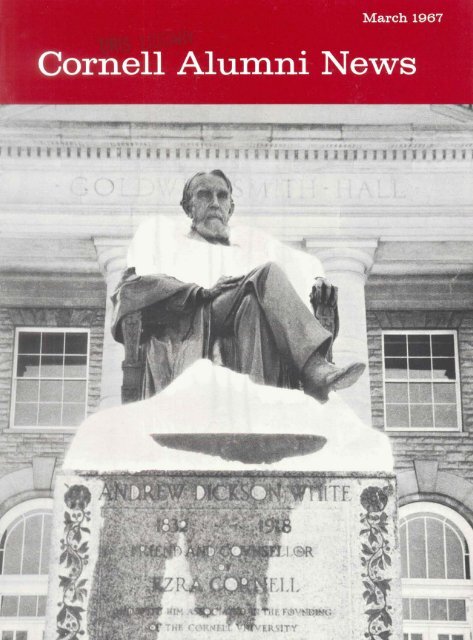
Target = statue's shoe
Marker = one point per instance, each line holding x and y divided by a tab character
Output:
319	377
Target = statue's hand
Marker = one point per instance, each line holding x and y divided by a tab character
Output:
223	284
325	292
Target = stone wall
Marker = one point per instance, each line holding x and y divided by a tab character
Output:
17	448
453	452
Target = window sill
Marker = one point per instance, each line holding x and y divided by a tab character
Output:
440	433
40	430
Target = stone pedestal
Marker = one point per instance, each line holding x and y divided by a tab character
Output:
178	518
225	555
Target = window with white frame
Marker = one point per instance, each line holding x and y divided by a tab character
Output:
421	381
50	377
437	590
24	559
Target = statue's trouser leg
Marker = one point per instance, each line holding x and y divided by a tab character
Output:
254	350
265	310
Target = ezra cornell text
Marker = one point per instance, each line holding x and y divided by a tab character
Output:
151	63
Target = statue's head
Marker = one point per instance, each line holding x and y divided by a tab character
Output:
207	200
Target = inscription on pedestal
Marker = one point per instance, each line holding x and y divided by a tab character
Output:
190	555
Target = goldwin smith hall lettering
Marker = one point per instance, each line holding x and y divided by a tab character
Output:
401	260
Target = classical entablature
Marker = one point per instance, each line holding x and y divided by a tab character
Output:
234	141
391	183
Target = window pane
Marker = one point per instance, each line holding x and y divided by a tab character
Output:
9	606
446	416
443	636
76	343
395	345
397	415
456	610
26	415
420	368
7	635
417	548
443	345
49	415
444	368
72	414
406	612
436	550
27	390
74	391
396	392
422	416
404	566
12	554
419	609
396	368
420	392
416	636
51	390
53	343
29	342
75	367
445	393
27	606
46	544
419	345
27	367
457	636
51	367
455	563
438	609
41	606
21	635
31	547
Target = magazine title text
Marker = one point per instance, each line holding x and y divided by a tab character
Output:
151	63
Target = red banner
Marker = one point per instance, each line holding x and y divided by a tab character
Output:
245	51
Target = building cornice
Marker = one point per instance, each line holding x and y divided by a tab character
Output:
271	142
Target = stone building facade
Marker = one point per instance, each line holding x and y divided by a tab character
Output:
382	195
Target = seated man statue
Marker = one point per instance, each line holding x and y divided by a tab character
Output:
248	318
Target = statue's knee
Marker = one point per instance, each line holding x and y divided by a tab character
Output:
273	274
272	268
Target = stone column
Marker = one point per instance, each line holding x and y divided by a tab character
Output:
347	263
111	254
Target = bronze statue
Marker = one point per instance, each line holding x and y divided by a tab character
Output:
253	323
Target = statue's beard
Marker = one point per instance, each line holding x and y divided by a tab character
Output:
212	229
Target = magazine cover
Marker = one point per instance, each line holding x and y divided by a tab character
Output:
236	320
